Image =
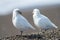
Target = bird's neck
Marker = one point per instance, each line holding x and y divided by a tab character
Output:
14	15
37	15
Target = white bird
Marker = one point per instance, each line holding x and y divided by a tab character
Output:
41	21
21	22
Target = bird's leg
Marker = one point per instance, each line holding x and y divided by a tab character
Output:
21	33
40	31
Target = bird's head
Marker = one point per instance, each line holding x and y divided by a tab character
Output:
36	11
17	11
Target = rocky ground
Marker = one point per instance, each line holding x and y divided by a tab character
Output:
45	35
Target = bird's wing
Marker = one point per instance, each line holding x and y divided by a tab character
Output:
22	20
45	22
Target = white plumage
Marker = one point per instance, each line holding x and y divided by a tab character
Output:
21	22
41	21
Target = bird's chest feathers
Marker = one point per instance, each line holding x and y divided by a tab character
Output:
17	20
36	20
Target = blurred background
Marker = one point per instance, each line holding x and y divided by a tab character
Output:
49	8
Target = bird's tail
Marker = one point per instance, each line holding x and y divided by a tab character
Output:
54	25
33	28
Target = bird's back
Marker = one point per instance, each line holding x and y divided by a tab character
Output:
22	23
44	22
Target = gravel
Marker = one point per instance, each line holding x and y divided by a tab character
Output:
44	35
